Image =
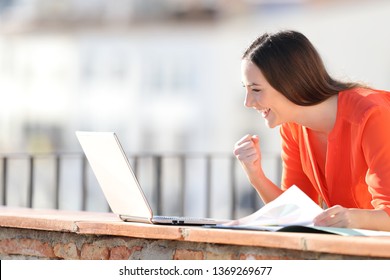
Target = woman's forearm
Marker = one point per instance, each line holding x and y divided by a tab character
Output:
265	188
370	219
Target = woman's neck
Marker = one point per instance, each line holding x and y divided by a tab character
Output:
319	118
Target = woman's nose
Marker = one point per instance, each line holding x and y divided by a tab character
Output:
248	100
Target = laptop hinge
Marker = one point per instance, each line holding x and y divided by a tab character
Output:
135	219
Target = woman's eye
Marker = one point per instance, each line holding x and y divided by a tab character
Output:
256	90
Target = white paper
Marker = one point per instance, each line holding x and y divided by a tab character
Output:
292	207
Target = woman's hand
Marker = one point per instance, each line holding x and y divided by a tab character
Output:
247	151
337	216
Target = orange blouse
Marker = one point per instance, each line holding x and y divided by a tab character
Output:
357	167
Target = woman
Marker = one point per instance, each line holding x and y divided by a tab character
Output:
335	135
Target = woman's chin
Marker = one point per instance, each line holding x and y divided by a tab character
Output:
271	124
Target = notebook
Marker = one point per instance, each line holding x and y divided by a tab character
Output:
119	183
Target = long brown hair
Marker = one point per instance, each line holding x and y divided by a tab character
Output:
292	66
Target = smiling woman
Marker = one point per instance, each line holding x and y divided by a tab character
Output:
335	141
261	96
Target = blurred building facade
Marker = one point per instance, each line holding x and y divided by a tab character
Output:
146	69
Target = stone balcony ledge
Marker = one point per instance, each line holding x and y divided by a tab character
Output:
56	234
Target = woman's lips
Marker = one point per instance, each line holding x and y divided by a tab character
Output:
265	112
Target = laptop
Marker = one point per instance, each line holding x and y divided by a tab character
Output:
120	185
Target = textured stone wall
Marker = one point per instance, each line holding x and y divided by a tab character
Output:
39	244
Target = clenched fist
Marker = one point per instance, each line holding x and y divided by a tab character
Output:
247	151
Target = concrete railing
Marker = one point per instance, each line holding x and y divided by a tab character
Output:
55	234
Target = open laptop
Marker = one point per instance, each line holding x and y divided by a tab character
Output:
119	183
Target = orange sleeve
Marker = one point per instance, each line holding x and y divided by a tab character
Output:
376	149
293	173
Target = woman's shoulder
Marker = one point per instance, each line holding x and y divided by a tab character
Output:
365	96
357	103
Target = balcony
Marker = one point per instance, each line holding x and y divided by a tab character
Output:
30	232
